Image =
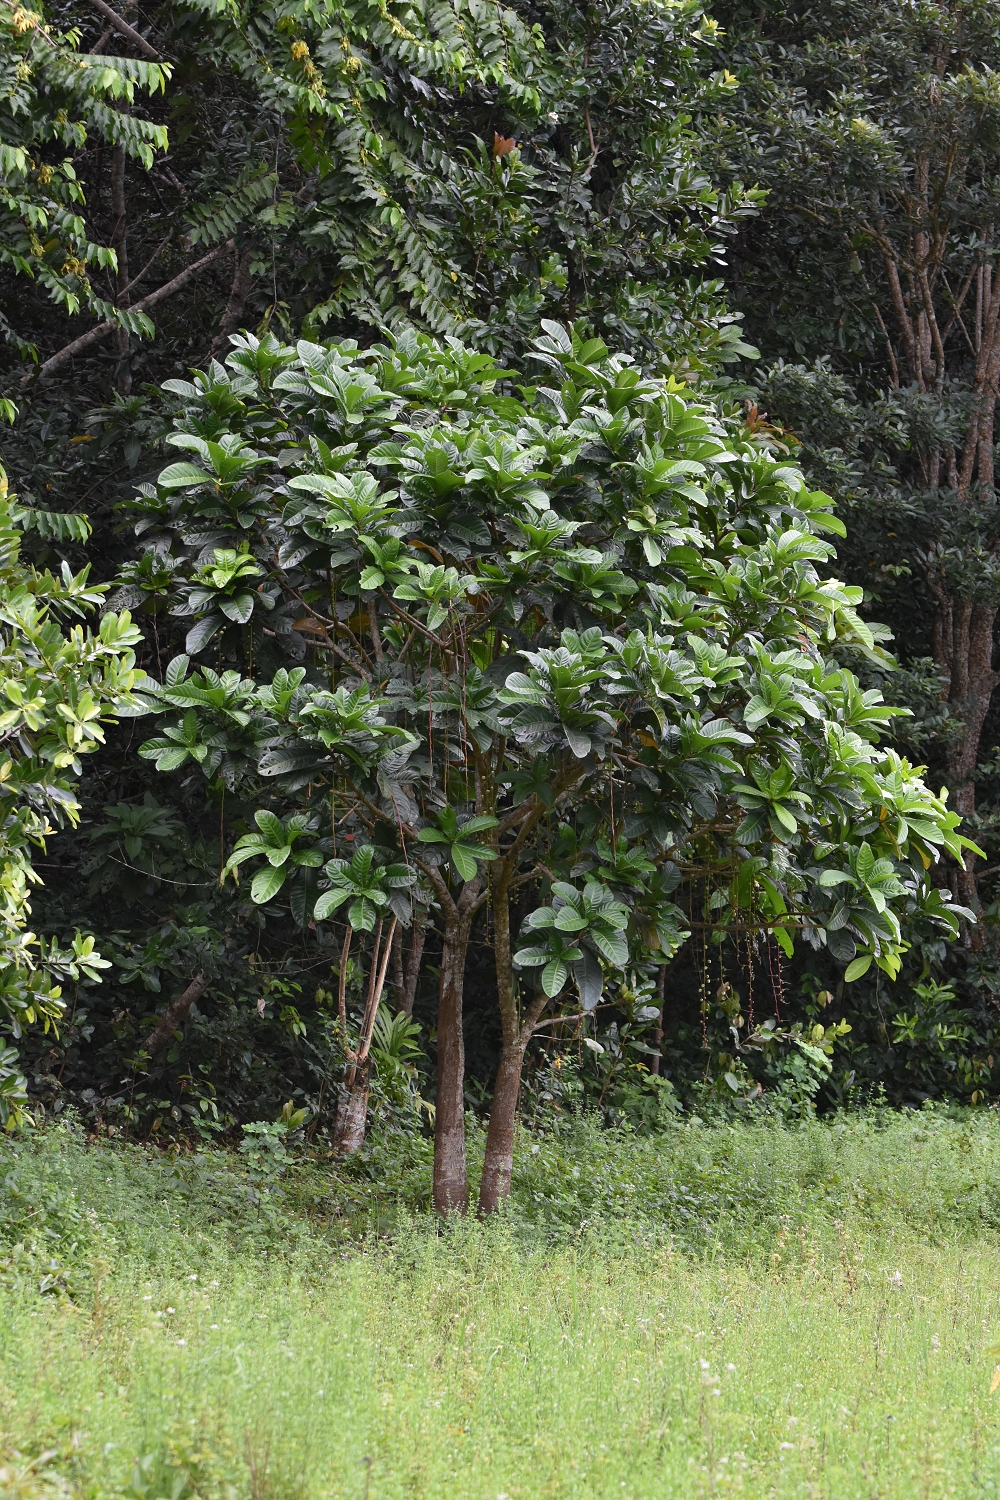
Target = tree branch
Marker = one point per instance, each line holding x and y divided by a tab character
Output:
120	24
176	1014
94	335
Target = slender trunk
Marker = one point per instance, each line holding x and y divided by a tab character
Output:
661	984
119	243
352	1112
499	1158
411	972
963	649
342	979
517	1033
398	980
451	1182
176	1014
238	294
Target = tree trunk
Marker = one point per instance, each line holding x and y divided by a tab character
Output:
119	243
963	650
176	1014
238	295
451	1182
397	980
499	1159
411	971
352	1112
661	984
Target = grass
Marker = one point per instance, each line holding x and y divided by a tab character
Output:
747	1311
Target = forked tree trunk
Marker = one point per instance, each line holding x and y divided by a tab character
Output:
352	1112
963	629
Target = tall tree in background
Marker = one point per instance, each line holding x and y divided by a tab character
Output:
876	131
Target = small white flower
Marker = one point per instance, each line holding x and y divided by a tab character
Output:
182	1341
704	1364
896	1278
193	1276
935	1342
786	1445
730	1367
171	1309
215	1325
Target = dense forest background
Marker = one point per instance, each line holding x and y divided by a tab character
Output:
789	211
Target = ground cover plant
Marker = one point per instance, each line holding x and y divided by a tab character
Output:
710	1311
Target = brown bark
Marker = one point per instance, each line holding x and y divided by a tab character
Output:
661	984
451	1181
398	980
963	629
125	29
238	294
352	1112
518	1030
499	1158
963	650
411	971
176	1014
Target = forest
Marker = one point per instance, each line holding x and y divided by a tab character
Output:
499	753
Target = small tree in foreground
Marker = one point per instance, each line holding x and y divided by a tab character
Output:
562	647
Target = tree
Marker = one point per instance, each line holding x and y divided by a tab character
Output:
882	181
51	96
57	687
553	633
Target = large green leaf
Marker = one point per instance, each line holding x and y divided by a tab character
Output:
267	883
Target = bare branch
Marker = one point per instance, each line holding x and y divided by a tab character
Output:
94	335
120	24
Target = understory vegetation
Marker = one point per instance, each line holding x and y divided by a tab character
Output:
714	1310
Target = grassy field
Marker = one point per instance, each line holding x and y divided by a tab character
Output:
760	1312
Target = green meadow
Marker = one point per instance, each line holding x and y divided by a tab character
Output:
749	1311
